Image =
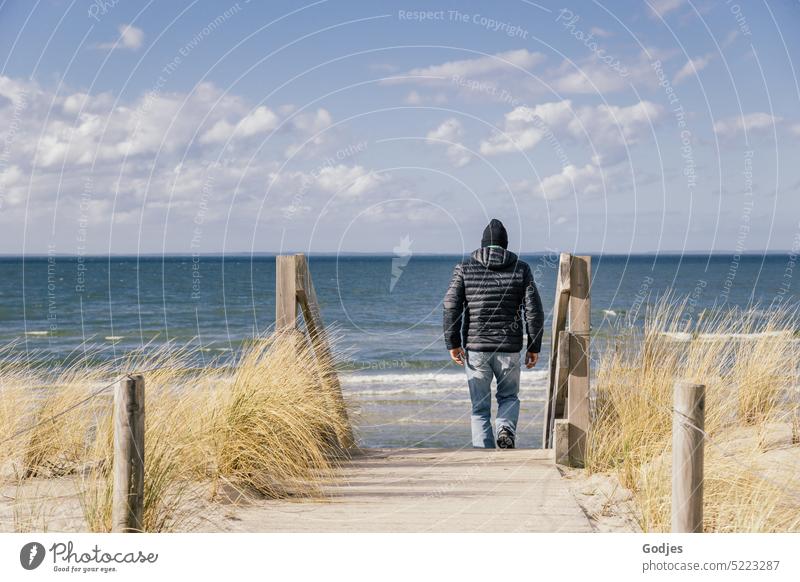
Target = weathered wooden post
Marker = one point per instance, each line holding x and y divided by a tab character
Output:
561	442
580	308
127	510
560	425
285	292
307	297
293	287
554	408
688	431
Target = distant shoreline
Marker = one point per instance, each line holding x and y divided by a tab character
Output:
362	255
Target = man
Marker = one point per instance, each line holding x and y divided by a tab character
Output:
491	297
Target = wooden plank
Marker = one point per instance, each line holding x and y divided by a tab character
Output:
127	509
307	298
554	408
414	490
285	292
688	425
579	357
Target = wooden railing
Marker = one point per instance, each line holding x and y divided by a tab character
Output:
566	419
293	287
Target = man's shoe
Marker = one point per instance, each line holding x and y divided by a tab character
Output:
505	438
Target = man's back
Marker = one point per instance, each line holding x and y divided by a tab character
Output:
488	295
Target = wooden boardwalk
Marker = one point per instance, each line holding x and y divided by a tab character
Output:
432	490
441	490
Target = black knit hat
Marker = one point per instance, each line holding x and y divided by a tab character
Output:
495	234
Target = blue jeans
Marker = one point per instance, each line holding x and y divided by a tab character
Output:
481	368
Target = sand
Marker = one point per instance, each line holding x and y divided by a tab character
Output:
608	505
418	490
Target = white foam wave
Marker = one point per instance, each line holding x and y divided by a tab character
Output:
425	384
680	336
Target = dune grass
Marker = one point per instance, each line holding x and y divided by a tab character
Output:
748	360
259	426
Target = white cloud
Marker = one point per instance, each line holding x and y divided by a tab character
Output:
663	7
691	67
471	68
312	124
730	38
153	153
601	32
610	124
497	77
11	186
10	176
85	129
89	129
350	181
260	120
451	132
343	180
750	122
572	180
413	98
526	126
607	128
130	38
612	73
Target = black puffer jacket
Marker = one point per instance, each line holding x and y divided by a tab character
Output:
489	298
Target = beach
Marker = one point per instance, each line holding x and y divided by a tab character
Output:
385	321
214	396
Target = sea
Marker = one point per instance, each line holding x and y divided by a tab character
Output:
385	312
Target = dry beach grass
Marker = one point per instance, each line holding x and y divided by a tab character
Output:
748	360
262	426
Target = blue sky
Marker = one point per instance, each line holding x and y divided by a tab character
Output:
367	126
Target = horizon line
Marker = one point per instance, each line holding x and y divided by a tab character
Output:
723	252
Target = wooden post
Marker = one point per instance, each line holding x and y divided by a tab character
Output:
561	441
579	357
285	292
688	425
293	286
127	510
554	407
559	379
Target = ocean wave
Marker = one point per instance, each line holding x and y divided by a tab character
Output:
425	385
680	336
